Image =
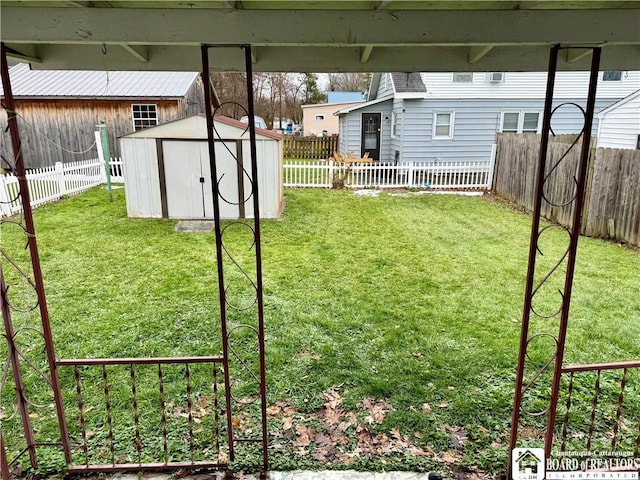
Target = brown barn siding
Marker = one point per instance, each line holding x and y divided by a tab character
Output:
71	123
193	101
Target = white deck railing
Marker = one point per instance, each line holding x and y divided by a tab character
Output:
51	183
434	174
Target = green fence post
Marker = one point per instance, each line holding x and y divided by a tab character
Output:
105	153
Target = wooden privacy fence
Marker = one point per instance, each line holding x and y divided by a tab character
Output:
309	147
612	195
51	183
438	175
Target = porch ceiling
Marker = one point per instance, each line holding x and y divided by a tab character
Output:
358	35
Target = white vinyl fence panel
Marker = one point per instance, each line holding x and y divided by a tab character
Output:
51	183
435	174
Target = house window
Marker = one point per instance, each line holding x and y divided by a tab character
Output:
443	125
459	77
520	122
530	122
319	117
495	77
394	124
144	116
638	143
612	76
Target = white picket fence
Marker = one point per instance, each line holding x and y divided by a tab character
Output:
51	183
434	174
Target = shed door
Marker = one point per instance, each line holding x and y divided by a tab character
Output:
371	135
187	179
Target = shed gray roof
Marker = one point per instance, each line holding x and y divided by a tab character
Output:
408	82
82	84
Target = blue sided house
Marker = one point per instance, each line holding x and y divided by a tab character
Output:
426	117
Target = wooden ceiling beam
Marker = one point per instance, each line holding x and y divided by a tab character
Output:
138	51
318	27
476	52
327	59
365	53
23	57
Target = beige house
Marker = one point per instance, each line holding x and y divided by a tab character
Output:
319	119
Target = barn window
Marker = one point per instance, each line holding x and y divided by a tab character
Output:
144	116
443	125
612	76
319	117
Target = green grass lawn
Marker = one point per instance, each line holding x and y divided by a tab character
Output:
412	301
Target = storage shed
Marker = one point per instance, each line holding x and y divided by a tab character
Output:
168	175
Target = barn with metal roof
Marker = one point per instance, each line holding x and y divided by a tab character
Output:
60	107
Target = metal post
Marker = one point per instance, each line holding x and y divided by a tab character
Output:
533	246
563	312
20	173
23	405
258	245
105	152
219	250
5	473
573	245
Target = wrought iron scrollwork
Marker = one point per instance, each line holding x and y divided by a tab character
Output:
19	283
537	383
240	285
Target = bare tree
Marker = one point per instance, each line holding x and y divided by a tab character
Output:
276	95
348	82
231	88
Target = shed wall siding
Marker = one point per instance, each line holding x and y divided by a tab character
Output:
620	127
142	181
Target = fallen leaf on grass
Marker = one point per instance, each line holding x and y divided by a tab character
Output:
273	411
376	408
287	423
426	408
443	405
305	435
308	355
450	457
332	398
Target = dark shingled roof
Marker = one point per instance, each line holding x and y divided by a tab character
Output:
408	82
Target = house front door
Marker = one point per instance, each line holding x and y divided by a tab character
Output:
371	135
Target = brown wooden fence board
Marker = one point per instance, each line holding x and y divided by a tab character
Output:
309	147
612	197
